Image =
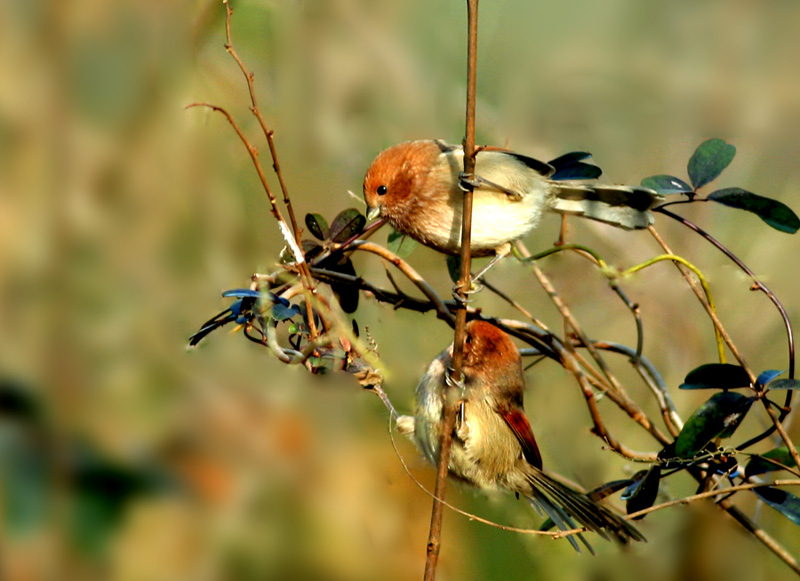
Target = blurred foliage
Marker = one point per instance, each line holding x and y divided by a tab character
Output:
122	216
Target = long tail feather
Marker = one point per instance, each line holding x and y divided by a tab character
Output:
580	507
624	206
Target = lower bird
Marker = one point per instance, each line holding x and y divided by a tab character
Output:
493	445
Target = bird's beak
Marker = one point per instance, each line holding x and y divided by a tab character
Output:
373	213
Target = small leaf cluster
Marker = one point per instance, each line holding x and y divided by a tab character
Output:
347	224
699	442
706	164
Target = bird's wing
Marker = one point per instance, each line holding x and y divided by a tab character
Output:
519	424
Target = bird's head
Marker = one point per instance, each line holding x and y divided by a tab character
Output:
394	178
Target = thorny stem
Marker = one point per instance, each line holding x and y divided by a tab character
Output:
465	280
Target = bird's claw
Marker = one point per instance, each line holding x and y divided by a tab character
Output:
449	381
469	181
463	297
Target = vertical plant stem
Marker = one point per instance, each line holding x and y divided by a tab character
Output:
465	280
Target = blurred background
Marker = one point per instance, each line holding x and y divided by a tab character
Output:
123	216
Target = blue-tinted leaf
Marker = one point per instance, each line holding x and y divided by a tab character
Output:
241	293
718	417
665	184
578	171
281	312
757	464
400	244
708	161
318	226
785	384
347	224
766	376
784	502
716	376
642	494
775	213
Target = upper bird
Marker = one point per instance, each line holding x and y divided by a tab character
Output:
416	187
493	445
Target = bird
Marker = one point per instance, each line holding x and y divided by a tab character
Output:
417	186
493	446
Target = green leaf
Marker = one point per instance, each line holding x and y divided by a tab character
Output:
784	384
642	494
757	464
347	224
708	161
716	376
26	490
718	417
454	267
784	502
665	184
400	244
775	213
318	226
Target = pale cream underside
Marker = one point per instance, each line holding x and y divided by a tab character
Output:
497	217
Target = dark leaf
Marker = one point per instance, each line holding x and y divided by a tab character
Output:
570	166
347	294
758	465
569	158
784	502
766	376
347	224
400	244
718	417
311	249
708	161
608	489
785	384
318	226
716	376
665	184
454	267
775	213
642	494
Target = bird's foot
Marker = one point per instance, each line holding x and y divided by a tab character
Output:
464	297
469	181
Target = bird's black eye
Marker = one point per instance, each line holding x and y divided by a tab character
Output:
382	190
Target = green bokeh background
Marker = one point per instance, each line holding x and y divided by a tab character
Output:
123	215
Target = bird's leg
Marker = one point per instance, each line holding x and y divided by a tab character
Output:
467	181
499	254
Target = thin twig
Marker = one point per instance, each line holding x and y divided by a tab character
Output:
305	275
441	309
465	281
